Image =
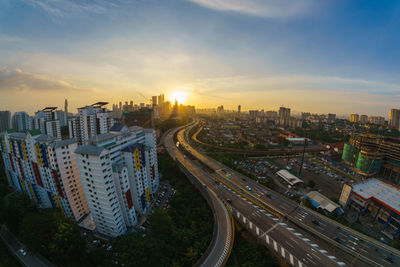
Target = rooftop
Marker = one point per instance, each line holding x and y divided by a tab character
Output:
117	127
61	143
45	138
101	137
89	150
49	109
289	177
322	201
379	191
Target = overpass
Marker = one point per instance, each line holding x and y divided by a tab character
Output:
221	245
319	239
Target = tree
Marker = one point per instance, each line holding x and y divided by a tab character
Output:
38	229
311	184
15	206
68	246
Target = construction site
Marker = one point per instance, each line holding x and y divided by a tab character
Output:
376	156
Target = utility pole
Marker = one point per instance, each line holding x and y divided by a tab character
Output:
304	150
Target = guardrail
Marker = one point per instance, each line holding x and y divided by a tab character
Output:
266	240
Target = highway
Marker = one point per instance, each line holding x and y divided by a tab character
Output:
12	243
223	239
260	206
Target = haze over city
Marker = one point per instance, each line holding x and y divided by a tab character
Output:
335	56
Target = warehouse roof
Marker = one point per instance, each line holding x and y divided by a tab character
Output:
322	201
381	192
288	177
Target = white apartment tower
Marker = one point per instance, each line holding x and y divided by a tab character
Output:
119	174
90	122
48	122
45	169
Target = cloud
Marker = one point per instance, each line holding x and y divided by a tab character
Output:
261	8
19	81
63	8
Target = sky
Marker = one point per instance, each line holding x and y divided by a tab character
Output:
336	56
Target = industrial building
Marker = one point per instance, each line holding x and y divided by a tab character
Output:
370	155
323	203
376	200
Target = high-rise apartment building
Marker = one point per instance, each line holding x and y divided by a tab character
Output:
377	120
284	113
239	108
331	117
354	118
154	101
119	173
5	120
48	122
45	169
90	121
21	121
394	118
363	119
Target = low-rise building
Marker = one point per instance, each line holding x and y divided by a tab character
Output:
376	200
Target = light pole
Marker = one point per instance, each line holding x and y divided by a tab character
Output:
304	151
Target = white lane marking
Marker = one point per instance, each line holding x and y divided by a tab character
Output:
298	234
305	239
314	245
283	224
331	257
291	259
282	252
267	239
275	245
257	231
290	229
300	264
341	263
323	251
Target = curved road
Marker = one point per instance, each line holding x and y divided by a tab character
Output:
219	250
355	248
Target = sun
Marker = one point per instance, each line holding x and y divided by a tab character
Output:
178	96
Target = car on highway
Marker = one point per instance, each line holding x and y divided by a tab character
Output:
23	252
248	187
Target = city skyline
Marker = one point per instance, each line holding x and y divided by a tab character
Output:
260	54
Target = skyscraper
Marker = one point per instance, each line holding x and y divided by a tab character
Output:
239	108
66	106
284	113
21	121
119	173
5	120
394	119
354	118
363	119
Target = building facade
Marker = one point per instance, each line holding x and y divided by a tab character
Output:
119	173
354	118
394	119
48	122
45	169
5	120
21	121
371	155
90	122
